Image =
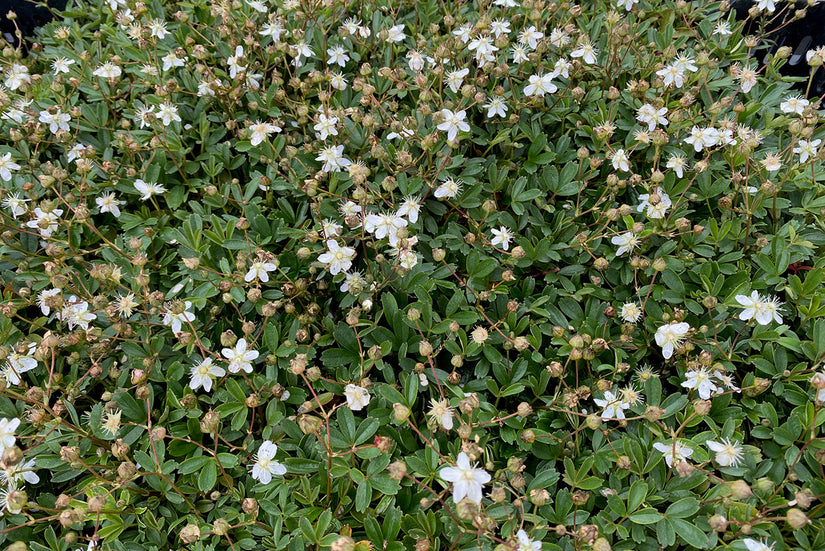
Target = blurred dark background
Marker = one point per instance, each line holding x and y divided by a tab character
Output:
801	35
29	16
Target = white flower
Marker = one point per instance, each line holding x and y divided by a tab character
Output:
506	3
626	241
483	48
415	60
456	78
806	149
441	413
338	259
172	60
7	428
674	452
147	189
702	138
613	406
240	359
51	221
726	380
539	85
670	336
57	121
177	320
168	113
261	131
501	236
727	454
234	62
651	116
125	305
747	79
763	309
41	299
353	282
678	164
561	68
6	166
699	380
631	313
61	65
655	210
265	466
530	36
495	106
75	312
333	158
108	70
449	188
272	30
326	126
157	28
463	32
16	204
620	161
559	38
525	543
410	208
500	27
685	63
338	81
586	51
722	28
357	397
256	5
337	55
17	76
109	203
795	105
771	7
520	54
468	481
259	270
14	475
203	373
396	33
385	225
750	543
672	75
626	4
453	123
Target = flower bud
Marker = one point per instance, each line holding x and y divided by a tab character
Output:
739	490
796	519
190	533
400	412
718	523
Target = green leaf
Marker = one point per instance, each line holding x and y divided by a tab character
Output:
683	508
692	535
208	475
646	516
637	494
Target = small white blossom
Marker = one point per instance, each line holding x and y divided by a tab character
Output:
586	51
265	465
626	242
203	373
338	259
670	336
449	188
674	452
108	202
6	166
763	309
148	189
502	236
333	158
260	271
453	123
655	210
176	321
727	454
468	481
240	358
806	149
700	380
357	397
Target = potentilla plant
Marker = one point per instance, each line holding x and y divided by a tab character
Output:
510	275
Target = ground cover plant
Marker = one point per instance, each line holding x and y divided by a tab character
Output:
410	275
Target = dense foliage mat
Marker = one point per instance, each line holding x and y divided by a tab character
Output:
410	275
